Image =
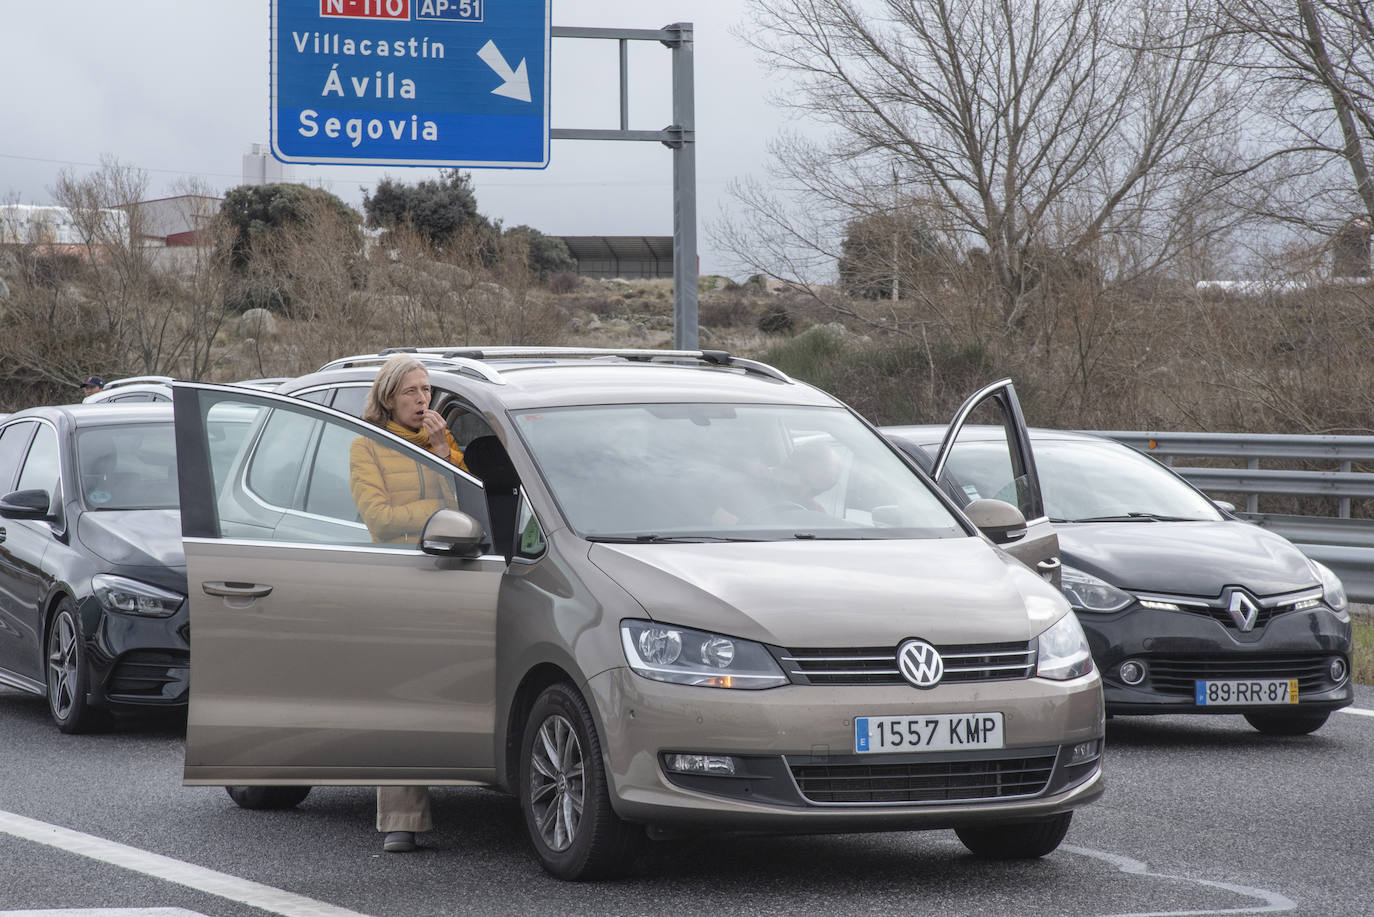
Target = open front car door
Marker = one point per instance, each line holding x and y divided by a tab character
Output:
999	467
325	650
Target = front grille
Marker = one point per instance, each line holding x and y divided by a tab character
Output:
1223	617
149	675
924	781
1216	609
1176	675
878	665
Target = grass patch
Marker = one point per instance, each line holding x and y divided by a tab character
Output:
1362	658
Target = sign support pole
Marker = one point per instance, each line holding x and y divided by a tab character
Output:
680	137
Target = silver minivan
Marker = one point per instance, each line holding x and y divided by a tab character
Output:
671	590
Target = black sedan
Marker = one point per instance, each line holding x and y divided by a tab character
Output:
92	576
1188	608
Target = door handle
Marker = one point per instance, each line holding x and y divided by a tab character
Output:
3	535
237	590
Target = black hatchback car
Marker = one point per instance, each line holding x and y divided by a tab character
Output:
1187	607
92	574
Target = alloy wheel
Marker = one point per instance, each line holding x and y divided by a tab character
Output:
63	665
557	786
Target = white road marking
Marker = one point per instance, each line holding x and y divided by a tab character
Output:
197	878
1358	711
107	912
1273	901
289	904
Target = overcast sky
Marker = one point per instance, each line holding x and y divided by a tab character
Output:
179	88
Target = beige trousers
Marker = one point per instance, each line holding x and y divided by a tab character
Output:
403	808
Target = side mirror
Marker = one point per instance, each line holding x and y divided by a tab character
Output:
26	504
450	533
1224	505
997	519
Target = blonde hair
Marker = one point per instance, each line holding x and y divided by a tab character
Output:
376	408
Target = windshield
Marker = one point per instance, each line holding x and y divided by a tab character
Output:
130	466
707	472
1084	480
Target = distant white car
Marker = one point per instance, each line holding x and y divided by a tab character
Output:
159	388
134	388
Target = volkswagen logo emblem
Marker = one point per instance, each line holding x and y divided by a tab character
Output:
920	663
1243	611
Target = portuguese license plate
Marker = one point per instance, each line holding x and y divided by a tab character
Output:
931	732
1246	692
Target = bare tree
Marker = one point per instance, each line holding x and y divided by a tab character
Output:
1315	61
104	211
1041	129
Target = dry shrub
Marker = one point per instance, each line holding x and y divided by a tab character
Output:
726	310
563	282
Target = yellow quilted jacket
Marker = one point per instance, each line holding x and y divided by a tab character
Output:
394	493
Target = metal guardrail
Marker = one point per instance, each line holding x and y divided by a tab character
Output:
1344	544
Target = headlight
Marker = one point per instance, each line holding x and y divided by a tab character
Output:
1062	651
1086	592
131	597
692	657
1333	592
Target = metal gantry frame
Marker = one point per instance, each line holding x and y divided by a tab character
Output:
680	137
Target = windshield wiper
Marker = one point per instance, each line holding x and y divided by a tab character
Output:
1132	517
662	539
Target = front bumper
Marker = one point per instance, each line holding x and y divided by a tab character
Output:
1180	648
799	772
138	662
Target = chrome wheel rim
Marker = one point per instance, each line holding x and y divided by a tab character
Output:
557	788
62	662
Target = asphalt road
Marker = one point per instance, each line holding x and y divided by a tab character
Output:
1202	815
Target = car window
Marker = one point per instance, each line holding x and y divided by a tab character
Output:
129	466
327	490
1093	479
14	439
985	458
319	396
279	457
350	399
41	470
722	471
532	542
304	478
227	427
984	471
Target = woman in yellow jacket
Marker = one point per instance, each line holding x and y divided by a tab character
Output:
395	496
394	493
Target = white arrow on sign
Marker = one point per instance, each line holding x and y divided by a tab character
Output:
517	81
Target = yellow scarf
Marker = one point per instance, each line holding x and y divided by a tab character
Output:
419	437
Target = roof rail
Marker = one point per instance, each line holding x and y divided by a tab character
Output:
376	359
470	360
434	360
632	354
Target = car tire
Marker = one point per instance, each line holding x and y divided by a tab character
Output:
267	797
67	674
564	794
1287	724
1019	841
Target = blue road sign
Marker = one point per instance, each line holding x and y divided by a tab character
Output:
411	82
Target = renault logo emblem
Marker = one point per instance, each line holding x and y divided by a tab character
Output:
1243	611
920	663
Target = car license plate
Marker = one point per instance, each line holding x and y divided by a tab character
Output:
1246	691
932	732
